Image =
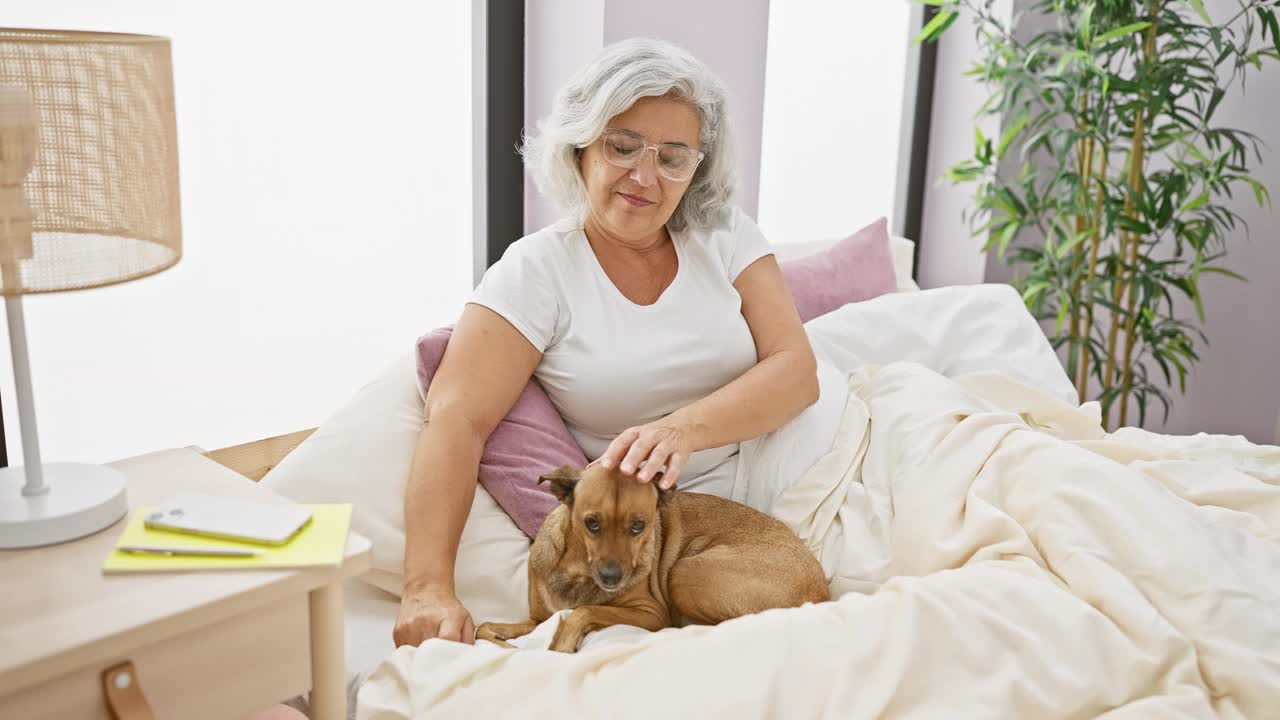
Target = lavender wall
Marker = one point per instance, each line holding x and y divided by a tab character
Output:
948	255
1235	389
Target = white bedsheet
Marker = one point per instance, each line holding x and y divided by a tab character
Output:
994	553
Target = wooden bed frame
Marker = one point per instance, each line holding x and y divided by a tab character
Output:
255	459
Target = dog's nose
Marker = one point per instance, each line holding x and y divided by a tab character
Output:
611	573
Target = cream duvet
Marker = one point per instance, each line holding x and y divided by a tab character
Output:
993	554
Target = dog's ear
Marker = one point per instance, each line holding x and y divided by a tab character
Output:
563	479
664	494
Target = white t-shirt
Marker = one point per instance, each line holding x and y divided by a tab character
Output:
608	363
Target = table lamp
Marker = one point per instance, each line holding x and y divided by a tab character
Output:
88	197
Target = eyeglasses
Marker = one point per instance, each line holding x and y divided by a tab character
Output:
626	149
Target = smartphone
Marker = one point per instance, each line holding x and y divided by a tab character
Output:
226	518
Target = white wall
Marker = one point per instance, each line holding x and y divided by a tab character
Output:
728	35
325	171
832	114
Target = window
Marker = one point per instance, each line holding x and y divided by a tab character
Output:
833	103
325	167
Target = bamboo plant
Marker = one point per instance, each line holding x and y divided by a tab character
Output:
1107	187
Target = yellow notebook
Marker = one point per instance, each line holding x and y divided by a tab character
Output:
322	542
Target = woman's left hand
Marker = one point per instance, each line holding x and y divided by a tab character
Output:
648	447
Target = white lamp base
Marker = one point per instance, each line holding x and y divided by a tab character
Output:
81	500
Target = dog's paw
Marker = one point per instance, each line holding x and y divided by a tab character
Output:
566	639
494	633
563	647
500	633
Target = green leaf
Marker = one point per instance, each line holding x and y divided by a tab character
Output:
1198	5
1071	242
1165	213
1218	94
1225	53
1260	191
1164	367
1120	84
1269	23
1121	31
1084	24
935	26
935	3
1195	203
981	146
963	172
1224	271
1032	290
1006	236
1067	58
1124	222
1019	122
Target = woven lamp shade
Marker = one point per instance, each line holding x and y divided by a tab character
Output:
88	160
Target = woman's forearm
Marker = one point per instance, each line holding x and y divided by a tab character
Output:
441	488
760	400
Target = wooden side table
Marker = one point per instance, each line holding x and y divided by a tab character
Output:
202	644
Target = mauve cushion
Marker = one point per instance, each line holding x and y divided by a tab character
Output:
529	442
857	268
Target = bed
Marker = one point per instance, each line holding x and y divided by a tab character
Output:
371	607
993	551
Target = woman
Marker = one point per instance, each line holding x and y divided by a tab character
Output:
654	315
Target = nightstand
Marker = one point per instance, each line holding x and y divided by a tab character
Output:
202	644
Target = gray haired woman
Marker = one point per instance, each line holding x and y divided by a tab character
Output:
653	314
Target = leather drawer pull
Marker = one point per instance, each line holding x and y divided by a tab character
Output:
124	693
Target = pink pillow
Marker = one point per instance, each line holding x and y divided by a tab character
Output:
857	268
529	442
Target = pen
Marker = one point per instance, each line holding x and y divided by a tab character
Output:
189	551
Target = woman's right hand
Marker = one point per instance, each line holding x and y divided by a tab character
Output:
432	613
485	368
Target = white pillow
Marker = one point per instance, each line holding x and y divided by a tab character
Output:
952	330
361	455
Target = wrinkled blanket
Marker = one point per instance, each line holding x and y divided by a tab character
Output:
994	554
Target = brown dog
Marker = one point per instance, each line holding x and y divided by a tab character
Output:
622	552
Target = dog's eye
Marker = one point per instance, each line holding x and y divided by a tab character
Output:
592	524
637	527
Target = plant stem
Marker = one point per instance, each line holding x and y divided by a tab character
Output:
1127	239
1084	166
1077	308
1095	242
1135	177
1113	330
